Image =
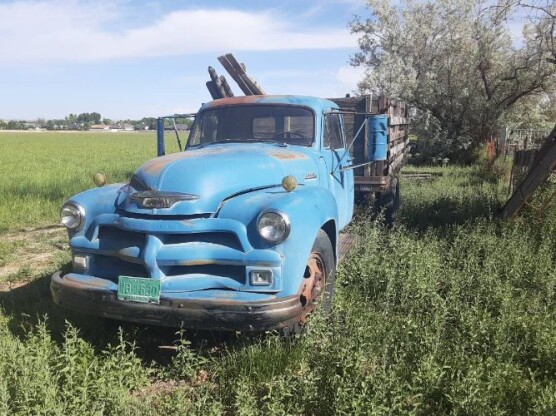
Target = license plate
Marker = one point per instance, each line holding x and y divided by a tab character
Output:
138	289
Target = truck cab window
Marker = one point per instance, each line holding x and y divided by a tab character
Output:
205	132
333	138
251	123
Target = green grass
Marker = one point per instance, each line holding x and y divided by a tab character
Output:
38	171
451	312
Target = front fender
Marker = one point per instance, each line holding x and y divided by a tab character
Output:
97	201
308	209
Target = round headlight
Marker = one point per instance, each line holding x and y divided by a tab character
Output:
72	216
273	226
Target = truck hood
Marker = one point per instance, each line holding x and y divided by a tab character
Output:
202	178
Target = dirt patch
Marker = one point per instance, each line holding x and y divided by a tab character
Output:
29	252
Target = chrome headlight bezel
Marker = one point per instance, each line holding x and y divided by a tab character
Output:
275	214
78	214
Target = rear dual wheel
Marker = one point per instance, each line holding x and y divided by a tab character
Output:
389	202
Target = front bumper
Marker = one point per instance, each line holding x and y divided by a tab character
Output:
218	313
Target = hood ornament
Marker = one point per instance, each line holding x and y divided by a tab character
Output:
154	199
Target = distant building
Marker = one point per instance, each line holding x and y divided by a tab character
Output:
99	127
31	125
121	127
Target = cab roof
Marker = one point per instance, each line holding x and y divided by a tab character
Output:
317	104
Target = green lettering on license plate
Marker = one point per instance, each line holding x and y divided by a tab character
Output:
138	289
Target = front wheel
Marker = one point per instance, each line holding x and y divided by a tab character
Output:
317	286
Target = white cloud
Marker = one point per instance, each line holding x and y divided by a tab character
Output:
69	31
349	76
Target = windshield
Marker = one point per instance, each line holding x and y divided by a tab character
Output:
254	123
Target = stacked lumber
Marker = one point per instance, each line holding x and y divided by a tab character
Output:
218	85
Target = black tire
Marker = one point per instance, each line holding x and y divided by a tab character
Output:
324	246
322	253
389	202
394	205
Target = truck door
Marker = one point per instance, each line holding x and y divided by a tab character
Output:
336	156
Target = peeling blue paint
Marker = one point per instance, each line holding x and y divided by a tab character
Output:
206	247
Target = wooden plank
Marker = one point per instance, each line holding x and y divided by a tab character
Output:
235	76
417	176
398	121
217	83
368	170
374	105
213	91
345	244
256	88
396	136
226	86
371	180
240	70
545	163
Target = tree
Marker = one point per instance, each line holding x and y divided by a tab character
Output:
149	122
91	118
532	113
95	118
71	119
15	125
455	61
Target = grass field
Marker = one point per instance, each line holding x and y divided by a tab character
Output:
461	320
39	170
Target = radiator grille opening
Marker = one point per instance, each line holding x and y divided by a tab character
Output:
114	239
108	267
233	272
220	238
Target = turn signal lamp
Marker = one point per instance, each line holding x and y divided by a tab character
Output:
289	183
99	179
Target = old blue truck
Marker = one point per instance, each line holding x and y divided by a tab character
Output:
239	231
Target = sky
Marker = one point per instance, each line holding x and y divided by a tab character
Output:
131	59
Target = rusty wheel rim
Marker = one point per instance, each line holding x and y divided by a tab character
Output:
313	285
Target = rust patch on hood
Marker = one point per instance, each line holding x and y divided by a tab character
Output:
155	166
288	155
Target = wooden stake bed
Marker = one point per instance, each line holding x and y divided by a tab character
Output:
375	176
